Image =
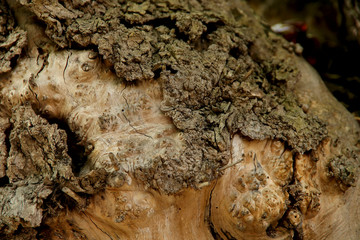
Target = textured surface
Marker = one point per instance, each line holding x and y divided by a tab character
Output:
216	77
12	39
215	66
38	152
255	199
37	168
182	119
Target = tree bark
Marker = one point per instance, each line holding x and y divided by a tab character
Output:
167	120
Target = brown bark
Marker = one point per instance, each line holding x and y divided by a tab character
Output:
166	120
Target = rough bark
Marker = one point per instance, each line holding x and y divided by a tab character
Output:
167	120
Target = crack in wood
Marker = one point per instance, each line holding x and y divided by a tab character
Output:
137	131
97	226
66	65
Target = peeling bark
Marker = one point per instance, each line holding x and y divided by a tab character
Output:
167	120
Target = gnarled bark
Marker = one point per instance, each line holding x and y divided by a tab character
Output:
165	120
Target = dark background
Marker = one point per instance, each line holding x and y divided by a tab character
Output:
329	32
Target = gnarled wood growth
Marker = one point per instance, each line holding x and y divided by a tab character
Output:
164	120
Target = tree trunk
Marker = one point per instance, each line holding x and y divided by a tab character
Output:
167	120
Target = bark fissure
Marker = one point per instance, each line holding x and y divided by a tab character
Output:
7	139
4	181
75	148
